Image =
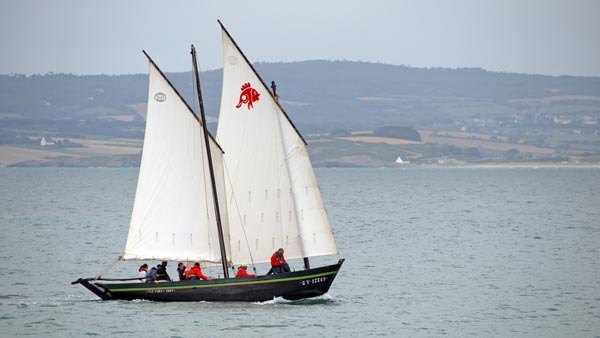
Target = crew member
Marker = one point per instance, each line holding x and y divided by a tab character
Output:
181	271
161	272
142	272
278	263
195	273
241	272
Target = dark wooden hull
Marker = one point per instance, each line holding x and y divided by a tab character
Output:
291	285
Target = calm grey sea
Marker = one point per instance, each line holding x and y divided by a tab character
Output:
429	253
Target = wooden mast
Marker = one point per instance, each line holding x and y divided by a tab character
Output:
211	169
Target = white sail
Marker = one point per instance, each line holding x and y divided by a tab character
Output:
173	216
273	197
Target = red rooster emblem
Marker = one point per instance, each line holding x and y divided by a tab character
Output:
248	96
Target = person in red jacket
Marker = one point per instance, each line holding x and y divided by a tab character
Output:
278	263
194	273
241	272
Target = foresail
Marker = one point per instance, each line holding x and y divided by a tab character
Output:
273	197
173	216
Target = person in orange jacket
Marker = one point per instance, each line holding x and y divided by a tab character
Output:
241	272
194	273
278	263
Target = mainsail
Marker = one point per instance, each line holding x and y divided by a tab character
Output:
272	194
173	216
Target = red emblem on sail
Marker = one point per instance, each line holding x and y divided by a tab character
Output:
248	96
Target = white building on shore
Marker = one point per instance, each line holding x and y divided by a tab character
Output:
44	143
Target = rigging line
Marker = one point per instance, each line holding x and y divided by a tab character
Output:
238	212
110	266
204	161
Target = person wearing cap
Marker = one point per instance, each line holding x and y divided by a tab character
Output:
195	273
242	273
278	263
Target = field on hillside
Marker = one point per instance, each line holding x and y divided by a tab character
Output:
96	148
10	154
481	142
363	149
447	147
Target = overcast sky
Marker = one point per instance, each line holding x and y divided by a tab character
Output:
106	37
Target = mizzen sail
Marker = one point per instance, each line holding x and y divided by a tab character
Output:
272	194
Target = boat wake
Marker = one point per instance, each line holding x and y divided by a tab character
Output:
324	299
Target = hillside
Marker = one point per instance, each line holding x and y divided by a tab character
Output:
560	115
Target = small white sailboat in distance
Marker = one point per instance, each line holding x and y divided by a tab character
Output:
231	201
400	161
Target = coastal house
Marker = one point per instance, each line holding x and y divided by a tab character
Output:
45	142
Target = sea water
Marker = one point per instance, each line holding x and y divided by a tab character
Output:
429	253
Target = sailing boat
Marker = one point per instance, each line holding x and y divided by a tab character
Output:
228	201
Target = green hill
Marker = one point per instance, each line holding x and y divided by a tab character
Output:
559	113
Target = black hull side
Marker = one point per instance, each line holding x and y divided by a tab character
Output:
292	286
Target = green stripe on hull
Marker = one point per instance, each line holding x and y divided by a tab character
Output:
196	286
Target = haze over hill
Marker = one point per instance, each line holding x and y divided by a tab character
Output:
557	113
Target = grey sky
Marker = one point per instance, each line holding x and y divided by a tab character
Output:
106	37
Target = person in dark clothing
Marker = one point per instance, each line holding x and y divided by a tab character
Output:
181	271
161	272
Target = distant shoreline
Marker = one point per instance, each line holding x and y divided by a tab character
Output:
43	164
517	166
479	166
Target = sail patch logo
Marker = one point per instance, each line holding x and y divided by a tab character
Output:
160	97
248	96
